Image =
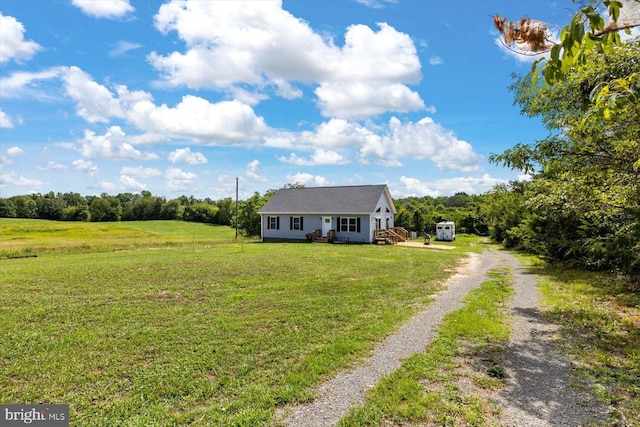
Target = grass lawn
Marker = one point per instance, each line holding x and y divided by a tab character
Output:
170	323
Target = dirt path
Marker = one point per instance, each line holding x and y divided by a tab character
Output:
538	392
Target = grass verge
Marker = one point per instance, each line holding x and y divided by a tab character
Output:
445	385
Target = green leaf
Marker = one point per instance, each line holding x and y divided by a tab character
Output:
614	9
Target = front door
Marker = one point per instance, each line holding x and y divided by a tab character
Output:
326	225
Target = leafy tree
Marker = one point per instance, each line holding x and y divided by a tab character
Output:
76	213
248	216
504	211
226	211
583	203
200	212
105	208
173	209
73	199
7	209
49	206
25	207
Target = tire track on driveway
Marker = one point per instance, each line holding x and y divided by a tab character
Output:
538	391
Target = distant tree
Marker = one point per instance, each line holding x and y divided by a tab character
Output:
73	199
105	208
404	218
200	212
48	206
76	213
7	209
458	200
248	217
25	207
226	211
173	209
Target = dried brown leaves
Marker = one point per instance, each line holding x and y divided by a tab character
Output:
533	34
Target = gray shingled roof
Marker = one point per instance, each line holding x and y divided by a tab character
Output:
325	200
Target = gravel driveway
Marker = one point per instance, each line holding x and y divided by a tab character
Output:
538	392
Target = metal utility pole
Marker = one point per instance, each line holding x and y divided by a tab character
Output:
236	208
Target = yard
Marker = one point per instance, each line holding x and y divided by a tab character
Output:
172	323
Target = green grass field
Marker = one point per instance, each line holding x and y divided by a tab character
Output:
20	237
174	323
171	323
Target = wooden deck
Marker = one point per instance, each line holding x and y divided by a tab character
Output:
390	236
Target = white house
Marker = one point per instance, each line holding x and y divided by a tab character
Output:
349	213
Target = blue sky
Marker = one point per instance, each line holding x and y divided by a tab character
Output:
183	97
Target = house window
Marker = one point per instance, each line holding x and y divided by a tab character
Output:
349	225
296	223
273	223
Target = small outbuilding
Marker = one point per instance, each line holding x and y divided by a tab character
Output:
357	214
446	231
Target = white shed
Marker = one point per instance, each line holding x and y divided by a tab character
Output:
446	231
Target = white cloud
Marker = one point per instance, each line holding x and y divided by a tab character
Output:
13	46
184	155
5	122
13	179
307	179
412	187
87	167
51	166
140	172
524	177
195	118
423	140
108	186
319	157
94	102
110	9
386	145
27	84
334	133
262	45
253	171
436	60
130	184
178	180
122	47
376	4
471	185
14	151
112	145
227	122
362	100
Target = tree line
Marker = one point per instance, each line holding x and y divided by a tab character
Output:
414	213
122	207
